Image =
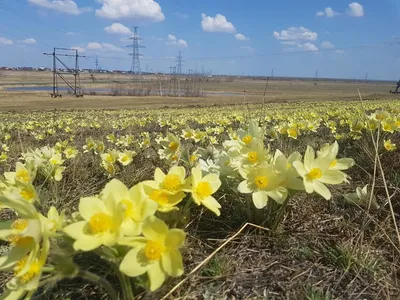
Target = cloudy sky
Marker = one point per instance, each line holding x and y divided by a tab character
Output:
339	38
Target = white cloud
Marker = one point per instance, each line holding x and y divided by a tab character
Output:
296	34
241	37
4	41
308	47
148	10
104	47
219	23
330	13
29	41
327	45
94	46
117	28
355	10
64	6
340	51
173	40
70	33
80	49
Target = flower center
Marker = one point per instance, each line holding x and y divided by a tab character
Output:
33	271
17	240
23	175
27	194
100	223
315	173
173	146
171	183
247	139
20	224
292	132
261	182
333	163
128	205
159	196
203	190
252	157
154	250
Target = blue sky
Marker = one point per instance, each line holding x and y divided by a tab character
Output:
341	39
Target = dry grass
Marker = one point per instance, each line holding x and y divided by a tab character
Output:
323	250
240	90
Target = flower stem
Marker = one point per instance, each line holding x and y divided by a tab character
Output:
100	281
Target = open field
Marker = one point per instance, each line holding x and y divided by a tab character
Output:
216	197
221	91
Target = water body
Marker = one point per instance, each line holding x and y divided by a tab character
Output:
87	91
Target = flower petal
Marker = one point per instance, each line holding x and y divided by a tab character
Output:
154	229
321	189
213	180
279	195
175	238
75	230
244	188
156	276
89	206
260	199
172	263
309	157
131	265
212	205
87	243
332	177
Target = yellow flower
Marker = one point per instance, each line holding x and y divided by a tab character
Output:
126	157
203	188
389	146
157	253
53	222
316	172
171	183
135	203
70	152
101	225
263	182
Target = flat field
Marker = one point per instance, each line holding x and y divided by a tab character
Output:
217	91
229	196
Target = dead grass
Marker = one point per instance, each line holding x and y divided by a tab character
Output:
323	250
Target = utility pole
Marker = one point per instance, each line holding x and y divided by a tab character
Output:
366	76
75	87
179	62
135	68
272	73
316	74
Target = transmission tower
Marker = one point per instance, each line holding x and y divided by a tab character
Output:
97	63
179	62
272	73
135	68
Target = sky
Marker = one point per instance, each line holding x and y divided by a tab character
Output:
337	38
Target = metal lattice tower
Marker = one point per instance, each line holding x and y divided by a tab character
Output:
135	68
179	62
